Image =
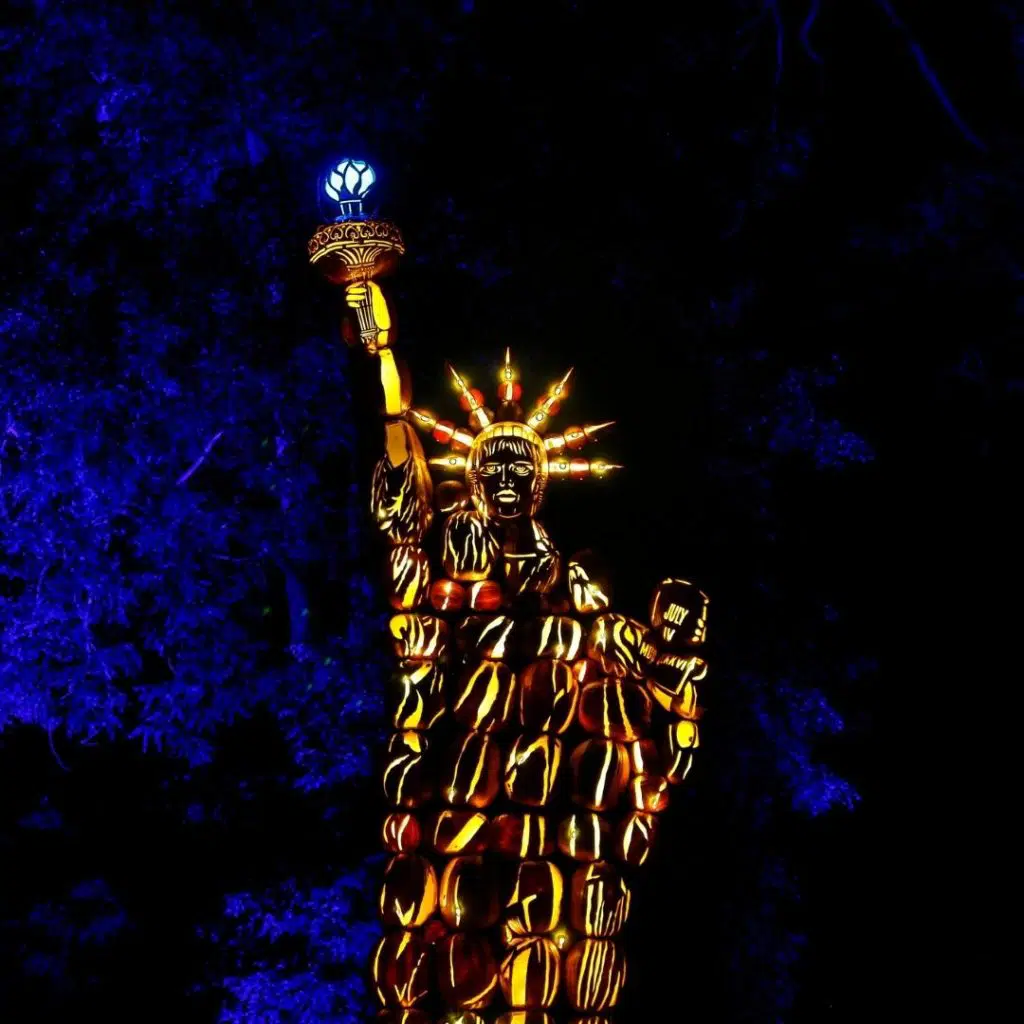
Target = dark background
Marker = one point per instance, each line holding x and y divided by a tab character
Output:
780	243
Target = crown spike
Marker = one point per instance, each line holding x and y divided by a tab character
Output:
575	437
562	467
591	429
479	417
443	431
600	468
450	463
509	388
423	419
460	385
548	405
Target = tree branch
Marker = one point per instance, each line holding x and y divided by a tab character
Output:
780	33
298	610
805	31
195	465
53	748
929	75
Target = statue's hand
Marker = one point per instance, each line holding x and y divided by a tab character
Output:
358	293
366	298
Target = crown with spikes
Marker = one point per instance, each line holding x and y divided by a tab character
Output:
556	451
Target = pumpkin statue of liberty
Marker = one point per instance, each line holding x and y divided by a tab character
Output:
537	732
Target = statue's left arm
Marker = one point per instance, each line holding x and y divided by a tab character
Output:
678	617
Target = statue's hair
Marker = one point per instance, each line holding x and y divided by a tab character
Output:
515	445
518	438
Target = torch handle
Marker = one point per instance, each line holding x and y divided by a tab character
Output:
368	329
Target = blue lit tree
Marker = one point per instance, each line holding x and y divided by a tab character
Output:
179	536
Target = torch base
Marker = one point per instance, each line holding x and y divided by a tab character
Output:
356	250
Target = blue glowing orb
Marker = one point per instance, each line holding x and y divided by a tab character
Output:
346	184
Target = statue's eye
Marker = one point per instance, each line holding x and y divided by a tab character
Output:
522	468
490	468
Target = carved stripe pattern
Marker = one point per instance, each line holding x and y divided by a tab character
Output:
471	773
531	973
600	900
531	769
485	697
419	636
408	575
558	637
600	771
417	695
615	642
400	502
595	971
469	549
405	780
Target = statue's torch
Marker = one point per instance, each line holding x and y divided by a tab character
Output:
355	248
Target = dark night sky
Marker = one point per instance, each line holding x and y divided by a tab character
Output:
781	245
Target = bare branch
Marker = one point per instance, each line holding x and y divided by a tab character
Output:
53	748
747	29
195	465
39	583
805	30
780	34
929	75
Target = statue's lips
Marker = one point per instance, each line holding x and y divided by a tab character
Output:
506	496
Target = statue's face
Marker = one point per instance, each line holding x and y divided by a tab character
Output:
507	478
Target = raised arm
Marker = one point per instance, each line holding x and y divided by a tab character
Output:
401	493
